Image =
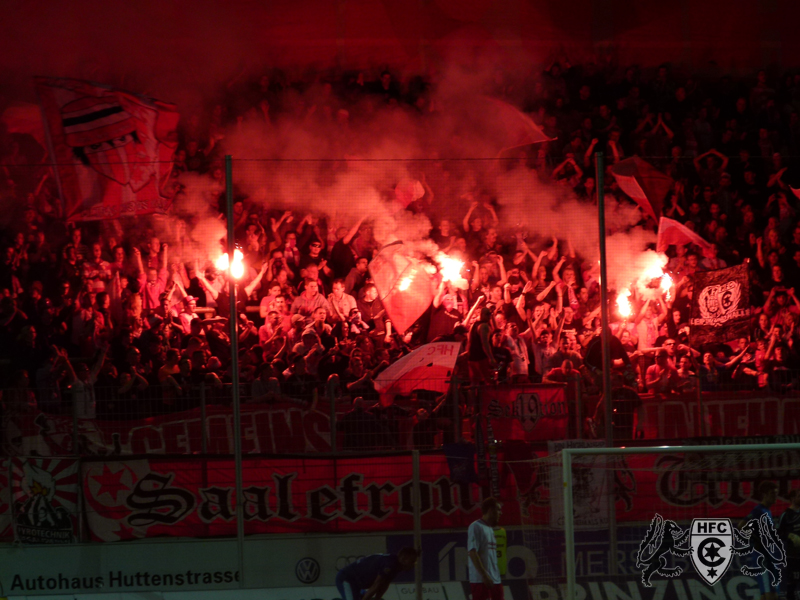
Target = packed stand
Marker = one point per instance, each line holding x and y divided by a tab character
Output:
111	321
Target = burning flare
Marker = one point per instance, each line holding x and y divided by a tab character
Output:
450	270
666	286
624	304
236	269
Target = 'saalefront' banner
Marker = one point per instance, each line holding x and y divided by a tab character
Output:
112	149
193	497
529	413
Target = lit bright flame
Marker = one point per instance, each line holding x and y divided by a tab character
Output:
623	304
653	271
666	286
237	268
404	284
449	267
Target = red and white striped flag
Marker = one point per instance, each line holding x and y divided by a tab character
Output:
429	367
112	149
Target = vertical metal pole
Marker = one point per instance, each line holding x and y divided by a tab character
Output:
606	341
333	385
75	438
458	427
417	523
605	329
77	451
203	436
237	417
579	408
569	525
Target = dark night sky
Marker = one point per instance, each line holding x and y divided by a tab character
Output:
178	48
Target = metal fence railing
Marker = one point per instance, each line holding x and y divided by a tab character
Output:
311	418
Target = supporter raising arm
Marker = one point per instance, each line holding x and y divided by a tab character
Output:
647	323
250	287
152	282
205	283
698	161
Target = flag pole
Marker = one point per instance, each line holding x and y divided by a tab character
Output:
605	331
605	338
233	293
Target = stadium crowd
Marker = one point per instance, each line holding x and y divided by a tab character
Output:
116	323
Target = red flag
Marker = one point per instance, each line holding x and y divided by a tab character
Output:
408	191
672	233
513	126
646	185
429	367
112	149
406	285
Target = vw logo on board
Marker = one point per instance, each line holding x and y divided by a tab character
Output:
307	570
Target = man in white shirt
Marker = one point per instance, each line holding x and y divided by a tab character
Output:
341	303
484	575
518	369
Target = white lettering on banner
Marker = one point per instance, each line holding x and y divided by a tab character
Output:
731	417
121	579
739	587
718	304
430	591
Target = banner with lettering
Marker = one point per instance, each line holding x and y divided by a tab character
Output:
720	305
730	415
428	367
678	486
45	500
193	497
269	429
276	428
529	413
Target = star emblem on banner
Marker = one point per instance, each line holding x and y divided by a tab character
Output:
712	572
125	533
110	483
712	551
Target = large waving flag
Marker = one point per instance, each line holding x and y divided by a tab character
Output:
513	127
646	185
112	149
406	285
672	233
429	367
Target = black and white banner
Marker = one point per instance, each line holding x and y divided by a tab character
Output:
720	305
